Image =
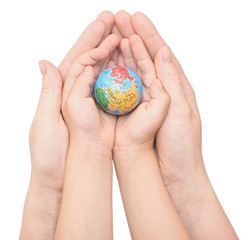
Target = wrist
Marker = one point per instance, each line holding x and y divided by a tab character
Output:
190	193
41	211
40	190
130	155
80	146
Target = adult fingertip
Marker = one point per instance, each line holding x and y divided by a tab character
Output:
105	13
138	18
42	67
106	17
51	75
138	14
123	23
99	25
120	14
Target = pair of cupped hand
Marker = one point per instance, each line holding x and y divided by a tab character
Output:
167	116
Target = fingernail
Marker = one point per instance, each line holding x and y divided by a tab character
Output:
43	68
166	54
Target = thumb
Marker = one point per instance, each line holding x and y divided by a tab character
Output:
159	104
83	86
50	98
169	74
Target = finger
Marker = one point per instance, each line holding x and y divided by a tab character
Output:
147	31
110	43
113	60
114	56
108	19
89	39
50	98
143	60
84	84
120	60
127	55
116	31
153	41
89	58
111	64
170	76
158	106
123	23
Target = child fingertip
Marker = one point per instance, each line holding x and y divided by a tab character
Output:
87	68
159	84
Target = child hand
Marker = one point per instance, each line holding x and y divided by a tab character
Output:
86	121
138	128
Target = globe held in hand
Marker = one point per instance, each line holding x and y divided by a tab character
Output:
118	90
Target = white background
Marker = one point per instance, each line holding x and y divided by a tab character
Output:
210	39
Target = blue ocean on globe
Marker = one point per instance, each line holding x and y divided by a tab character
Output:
118	90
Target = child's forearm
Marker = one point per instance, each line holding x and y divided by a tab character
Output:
86	209
200	209
149	210
41	212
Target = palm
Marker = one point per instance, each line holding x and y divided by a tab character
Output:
99	126
133	126
177	141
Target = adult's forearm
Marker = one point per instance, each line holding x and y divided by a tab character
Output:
41	212
149	210
200	209
86	210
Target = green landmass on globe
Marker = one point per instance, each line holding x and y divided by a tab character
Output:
118	90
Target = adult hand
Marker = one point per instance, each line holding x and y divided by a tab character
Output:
135	160
48	134
178	141
49	137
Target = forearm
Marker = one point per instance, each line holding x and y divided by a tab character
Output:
200	209
149	210
41	212
86	210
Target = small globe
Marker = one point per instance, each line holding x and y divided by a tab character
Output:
118	90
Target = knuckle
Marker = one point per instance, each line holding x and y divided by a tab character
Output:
174	75
189	92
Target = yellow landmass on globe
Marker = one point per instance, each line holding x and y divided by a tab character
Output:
123	101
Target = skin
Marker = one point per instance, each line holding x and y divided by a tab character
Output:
178	141
136	164
49	148
88	175
86	209
185	177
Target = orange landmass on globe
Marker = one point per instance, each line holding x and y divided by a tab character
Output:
123	101
120	74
